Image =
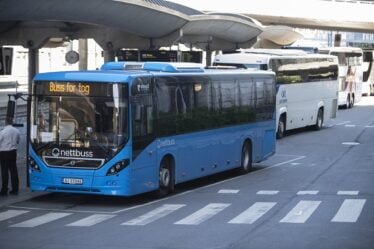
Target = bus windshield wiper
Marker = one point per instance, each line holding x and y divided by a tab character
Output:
45	146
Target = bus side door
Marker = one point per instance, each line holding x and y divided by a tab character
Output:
144	147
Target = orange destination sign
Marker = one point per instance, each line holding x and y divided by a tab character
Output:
69	87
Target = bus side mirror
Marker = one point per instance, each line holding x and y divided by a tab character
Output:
10	109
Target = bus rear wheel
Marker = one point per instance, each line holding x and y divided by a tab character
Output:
347	102
166	178
319	121
352	103
246	162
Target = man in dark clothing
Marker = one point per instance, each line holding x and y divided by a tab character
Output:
9	139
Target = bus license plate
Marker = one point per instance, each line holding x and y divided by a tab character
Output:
72	181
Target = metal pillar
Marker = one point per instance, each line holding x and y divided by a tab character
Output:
33	69
33	65
83	54
208	59
109	55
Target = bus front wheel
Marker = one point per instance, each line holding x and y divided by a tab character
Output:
246	162
281	127
166	178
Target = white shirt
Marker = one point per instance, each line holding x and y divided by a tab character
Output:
9	138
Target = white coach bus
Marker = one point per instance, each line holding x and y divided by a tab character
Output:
368	72
350	73
307	84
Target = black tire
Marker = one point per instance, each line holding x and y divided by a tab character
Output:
165	178
246	161
347	102
319	121
281	128
352	102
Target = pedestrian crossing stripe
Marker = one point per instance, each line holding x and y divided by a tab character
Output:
301	212
40	220
348	212
253	213
267	192
91	220
11	214
154	215
203	214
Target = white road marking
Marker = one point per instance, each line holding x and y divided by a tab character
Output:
369	126
10	214
91	220
208	186
267	192
350	143
347	192
350	125
41	220
154	215
343	123
294	164
308	192
301	212
173	196
253	213
203	214
228	191
349	211
289	161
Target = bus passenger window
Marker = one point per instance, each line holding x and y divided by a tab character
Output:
260	100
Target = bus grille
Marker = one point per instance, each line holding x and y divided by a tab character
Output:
77	163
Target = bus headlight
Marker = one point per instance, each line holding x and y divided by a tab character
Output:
33	164
116	168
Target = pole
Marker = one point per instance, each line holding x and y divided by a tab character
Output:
33	69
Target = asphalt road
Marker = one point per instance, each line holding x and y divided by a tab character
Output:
316	192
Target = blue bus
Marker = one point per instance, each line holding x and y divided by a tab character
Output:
123	132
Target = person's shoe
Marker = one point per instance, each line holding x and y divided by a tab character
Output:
13	192
3	193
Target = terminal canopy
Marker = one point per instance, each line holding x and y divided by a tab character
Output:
115	24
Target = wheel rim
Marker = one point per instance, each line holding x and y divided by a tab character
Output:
164	177
245	158
281	128
320	120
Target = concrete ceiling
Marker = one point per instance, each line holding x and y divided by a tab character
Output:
121	23
315	23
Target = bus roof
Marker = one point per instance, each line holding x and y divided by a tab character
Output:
262	58
117	73
341	49
270	51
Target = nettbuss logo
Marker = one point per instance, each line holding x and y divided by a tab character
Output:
56	152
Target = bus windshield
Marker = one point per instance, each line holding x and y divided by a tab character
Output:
88	120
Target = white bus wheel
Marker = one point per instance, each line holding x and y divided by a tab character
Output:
319	121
